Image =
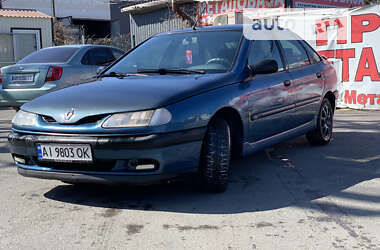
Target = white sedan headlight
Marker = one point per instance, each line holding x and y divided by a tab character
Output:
138	119
23	118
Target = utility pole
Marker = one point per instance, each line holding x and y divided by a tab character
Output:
82	34
52	20
53	7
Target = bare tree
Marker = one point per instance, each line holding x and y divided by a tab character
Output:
371	1
63	34
188	14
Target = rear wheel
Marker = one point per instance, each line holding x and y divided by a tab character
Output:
323	133
215	156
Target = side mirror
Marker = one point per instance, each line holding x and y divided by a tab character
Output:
267	66
99	70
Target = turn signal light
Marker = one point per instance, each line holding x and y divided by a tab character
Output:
143	164
54	74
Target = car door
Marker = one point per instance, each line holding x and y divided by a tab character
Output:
307	79
270	97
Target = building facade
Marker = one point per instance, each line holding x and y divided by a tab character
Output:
22	32
150	18
94	16
147	19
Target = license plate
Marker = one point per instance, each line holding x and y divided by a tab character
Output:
64	153
22	78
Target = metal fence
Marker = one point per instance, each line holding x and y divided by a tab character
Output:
145	25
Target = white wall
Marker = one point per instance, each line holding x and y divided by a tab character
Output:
80	9
6	23
7	53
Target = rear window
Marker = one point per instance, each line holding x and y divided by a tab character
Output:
50	55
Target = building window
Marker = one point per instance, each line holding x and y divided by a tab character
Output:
6	50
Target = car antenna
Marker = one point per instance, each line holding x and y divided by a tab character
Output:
199	18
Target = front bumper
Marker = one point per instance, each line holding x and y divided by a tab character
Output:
95	178
175	153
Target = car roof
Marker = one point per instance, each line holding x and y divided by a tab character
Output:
229	27
238	27
80	46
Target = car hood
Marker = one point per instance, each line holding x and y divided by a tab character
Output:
114	95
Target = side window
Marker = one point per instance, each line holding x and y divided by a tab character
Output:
265	49
117	53
314	57
86	58
295	53
98	56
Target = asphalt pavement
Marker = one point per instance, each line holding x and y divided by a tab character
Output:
292	196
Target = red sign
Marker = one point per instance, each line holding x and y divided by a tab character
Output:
209	10
352	43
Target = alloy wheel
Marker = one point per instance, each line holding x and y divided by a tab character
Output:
326	121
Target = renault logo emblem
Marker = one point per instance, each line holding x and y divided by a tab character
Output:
67	116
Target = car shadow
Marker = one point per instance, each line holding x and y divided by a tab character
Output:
290	174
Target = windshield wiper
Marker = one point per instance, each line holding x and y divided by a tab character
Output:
164	71
120	75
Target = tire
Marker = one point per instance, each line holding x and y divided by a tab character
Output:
215	157
323	133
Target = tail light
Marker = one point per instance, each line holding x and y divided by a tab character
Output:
1	79
54	74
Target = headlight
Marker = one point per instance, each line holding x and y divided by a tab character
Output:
138	119
23	118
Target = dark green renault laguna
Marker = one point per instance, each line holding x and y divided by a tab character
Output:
182	102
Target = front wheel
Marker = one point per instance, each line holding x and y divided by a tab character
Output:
216	156
323	133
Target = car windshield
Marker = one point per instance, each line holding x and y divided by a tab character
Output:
50	55
191	52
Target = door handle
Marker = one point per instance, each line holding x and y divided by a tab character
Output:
318	74
287	83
